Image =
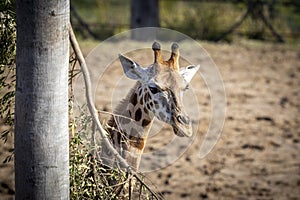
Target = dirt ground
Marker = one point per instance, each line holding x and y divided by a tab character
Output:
257	154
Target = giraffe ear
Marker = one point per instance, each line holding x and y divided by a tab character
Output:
132	69
189	72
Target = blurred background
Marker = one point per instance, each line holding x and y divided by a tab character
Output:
257	156
214	20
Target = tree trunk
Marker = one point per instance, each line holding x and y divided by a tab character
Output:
41	110
144	13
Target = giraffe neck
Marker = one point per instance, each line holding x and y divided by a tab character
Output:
130	125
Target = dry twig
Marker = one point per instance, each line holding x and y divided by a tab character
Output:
94	115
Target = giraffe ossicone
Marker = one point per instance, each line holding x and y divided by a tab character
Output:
157	93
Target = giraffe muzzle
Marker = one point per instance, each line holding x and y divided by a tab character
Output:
183	119
182	126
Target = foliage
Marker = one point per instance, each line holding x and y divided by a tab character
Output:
7	66
205	20
87	175
104	18
199	21
89	178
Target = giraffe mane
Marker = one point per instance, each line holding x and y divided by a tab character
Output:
124	102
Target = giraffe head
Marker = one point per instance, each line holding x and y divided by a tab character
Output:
162	87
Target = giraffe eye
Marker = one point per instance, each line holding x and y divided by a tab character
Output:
154	90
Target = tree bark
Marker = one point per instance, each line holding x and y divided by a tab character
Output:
144	13
41	110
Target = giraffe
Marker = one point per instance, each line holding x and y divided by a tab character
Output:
157	93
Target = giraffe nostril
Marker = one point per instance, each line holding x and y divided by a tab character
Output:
183	120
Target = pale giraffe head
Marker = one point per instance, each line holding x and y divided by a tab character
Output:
162	87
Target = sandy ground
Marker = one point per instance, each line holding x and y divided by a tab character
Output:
257	154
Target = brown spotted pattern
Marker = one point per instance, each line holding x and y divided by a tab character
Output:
129	133
129	128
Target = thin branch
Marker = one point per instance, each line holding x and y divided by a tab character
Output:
115	115
147	187
90	102
251	7
129	188
269	25
234	26
94	115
